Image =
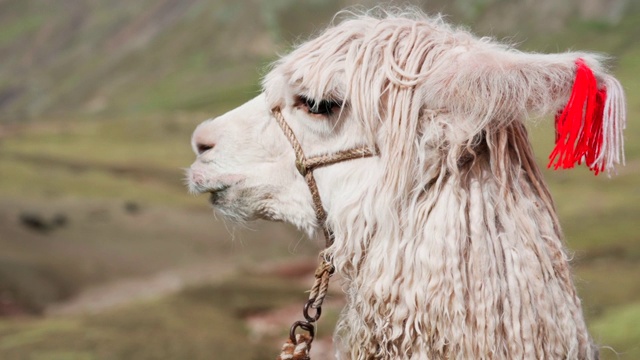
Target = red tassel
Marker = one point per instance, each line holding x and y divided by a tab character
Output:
579	126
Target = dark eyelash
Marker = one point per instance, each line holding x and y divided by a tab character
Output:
322	107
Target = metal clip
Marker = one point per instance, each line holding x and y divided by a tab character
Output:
304	325
305	311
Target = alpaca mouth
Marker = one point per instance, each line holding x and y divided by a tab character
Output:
216	194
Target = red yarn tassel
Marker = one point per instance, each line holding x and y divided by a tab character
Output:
579	125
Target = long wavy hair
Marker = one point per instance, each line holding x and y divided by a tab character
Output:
453	250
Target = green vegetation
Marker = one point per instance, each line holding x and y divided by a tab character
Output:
186	326
619	329
105	158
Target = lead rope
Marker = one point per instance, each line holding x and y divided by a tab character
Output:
297	347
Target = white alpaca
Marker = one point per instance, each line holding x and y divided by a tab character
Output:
447	239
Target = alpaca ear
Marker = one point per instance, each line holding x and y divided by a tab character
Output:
493	85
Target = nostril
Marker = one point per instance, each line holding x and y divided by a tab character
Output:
202	148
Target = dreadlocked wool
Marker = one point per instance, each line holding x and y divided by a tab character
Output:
445	259
448	240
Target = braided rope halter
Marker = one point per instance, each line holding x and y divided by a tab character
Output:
298	346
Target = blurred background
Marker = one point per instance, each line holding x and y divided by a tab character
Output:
104	255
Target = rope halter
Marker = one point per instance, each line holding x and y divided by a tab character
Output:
306	166
325	269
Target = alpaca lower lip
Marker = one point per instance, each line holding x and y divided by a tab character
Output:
214	197
216	194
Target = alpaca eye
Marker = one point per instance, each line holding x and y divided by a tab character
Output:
322	107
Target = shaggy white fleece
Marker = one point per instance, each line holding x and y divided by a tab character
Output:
448	241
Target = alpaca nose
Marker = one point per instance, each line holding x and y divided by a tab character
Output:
202	139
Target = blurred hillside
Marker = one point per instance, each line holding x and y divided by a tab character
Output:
123	57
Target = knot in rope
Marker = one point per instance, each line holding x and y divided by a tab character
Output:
298	349
321	283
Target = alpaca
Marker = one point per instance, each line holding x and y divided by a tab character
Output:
447	238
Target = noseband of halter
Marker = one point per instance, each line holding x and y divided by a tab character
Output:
306	166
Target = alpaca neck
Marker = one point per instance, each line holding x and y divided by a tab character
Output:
477	272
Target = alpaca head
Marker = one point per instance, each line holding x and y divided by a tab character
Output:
248	166
426	96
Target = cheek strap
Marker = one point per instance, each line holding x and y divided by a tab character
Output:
306	166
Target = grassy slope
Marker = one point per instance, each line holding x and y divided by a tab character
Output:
125	57
137	157
131	49
199	324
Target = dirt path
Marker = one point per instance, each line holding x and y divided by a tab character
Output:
126	291
260	326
